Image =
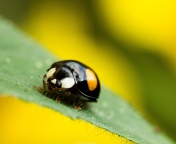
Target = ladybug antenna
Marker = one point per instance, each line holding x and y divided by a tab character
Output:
43	78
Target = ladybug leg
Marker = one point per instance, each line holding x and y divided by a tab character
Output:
38	88
84	103
44	84
75	104
59	98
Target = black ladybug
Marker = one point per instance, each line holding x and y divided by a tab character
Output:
74	77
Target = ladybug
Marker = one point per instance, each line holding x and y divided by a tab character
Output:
72	77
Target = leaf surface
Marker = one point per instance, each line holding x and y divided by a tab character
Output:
22	60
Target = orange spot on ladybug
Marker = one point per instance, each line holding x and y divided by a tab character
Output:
91	79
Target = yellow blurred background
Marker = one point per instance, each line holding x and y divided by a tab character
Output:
131	46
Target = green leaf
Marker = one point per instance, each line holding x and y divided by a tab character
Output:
22	60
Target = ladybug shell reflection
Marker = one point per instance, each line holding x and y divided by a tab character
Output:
74	76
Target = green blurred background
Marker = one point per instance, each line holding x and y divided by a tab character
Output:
131	45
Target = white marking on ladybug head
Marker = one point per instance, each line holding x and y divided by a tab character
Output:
50	72
53	81
67	82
